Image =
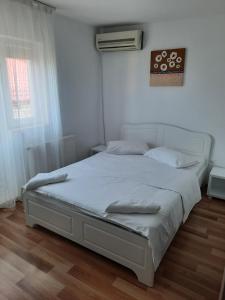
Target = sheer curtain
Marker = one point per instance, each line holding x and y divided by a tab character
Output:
29	105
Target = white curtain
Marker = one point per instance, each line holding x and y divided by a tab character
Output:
29	105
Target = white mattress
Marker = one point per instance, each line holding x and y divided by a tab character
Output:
97	181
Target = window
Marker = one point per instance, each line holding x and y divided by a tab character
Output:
19	88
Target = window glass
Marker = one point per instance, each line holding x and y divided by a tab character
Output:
19	87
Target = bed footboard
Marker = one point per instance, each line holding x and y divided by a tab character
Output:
126	248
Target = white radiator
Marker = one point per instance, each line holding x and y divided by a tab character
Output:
48	157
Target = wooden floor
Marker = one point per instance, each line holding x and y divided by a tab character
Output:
37	264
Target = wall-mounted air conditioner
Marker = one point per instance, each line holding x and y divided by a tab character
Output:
119	41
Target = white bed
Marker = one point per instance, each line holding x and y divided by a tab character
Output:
76	208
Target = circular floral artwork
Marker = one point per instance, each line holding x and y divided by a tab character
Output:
164	54
167	67
158	58
172	64
173	55
163	67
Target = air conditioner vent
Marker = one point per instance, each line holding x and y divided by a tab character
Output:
116	41
119	41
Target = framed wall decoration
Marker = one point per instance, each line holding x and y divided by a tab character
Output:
167	67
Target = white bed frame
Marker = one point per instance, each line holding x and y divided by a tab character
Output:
114	242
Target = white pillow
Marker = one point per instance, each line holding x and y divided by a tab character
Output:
126	147
171	157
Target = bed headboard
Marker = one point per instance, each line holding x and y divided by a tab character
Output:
160	134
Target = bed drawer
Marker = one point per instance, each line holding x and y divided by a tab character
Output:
57	219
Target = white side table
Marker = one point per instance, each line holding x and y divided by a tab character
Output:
97	149
216	185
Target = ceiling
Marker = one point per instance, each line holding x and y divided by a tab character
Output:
110	12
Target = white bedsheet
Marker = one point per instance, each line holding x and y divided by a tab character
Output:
96	182
199	168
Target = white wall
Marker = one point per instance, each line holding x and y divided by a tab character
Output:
79	85
198	105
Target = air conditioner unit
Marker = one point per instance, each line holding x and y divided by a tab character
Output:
119	41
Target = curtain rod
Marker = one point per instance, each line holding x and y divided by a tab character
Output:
45	4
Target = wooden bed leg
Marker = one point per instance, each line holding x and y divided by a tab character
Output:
146	277
29	222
